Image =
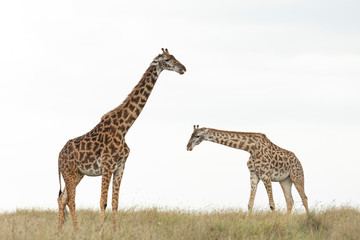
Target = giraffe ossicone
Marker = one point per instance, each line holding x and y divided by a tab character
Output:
103	150
267	162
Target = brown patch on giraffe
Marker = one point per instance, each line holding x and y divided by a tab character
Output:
130	119
125	114
146	94
132	107
135	100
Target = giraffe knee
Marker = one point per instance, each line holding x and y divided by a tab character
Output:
272	208
105	205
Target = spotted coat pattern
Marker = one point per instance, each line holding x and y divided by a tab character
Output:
103	150
267	162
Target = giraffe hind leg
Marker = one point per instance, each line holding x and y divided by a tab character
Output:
63	201
300	189
70	189
298	180
71	180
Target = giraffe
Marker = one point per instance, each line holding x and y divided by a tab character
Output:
103	150
267	162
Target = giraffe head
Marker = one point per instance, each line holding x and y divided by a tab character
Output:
197	137
168	62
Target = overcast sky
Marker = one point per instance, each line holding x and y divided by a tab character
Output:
289	69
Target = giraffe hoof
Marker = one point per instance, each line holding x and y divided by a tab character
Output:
272	208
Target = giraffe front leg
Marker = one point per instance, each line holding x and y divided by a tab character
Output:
254	180
286	187
105	182
115	195
267	182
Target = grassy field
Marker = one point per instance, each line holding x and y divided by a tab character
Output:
331	223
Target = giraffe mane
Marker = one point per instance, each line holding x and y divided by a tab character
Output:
232	132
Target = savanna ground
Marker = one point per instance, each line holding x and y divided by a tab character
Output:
330	223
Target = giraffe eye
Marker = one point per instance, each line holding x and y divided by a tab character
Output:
166	60
197	136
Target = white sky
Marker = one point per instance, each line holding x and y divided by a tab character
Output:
289	69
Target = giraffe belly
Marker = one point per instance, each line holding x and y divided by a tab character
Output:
279	176
90	172
91	169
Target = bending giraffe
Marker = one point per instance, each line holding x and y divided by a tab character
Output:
103	151
267	162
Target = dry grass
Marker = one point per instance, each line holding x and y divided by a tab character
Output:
332	223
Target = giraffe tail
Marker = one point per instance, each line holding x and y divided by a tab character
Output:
59	182
60	192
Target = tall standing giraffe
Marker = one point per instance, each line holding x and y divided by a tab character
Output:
103	151
267	162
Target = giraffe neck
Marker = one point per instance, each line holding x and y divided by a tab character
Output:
124	116
240	140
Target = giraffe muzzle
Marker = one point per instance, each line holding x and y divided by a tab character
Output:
182	70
